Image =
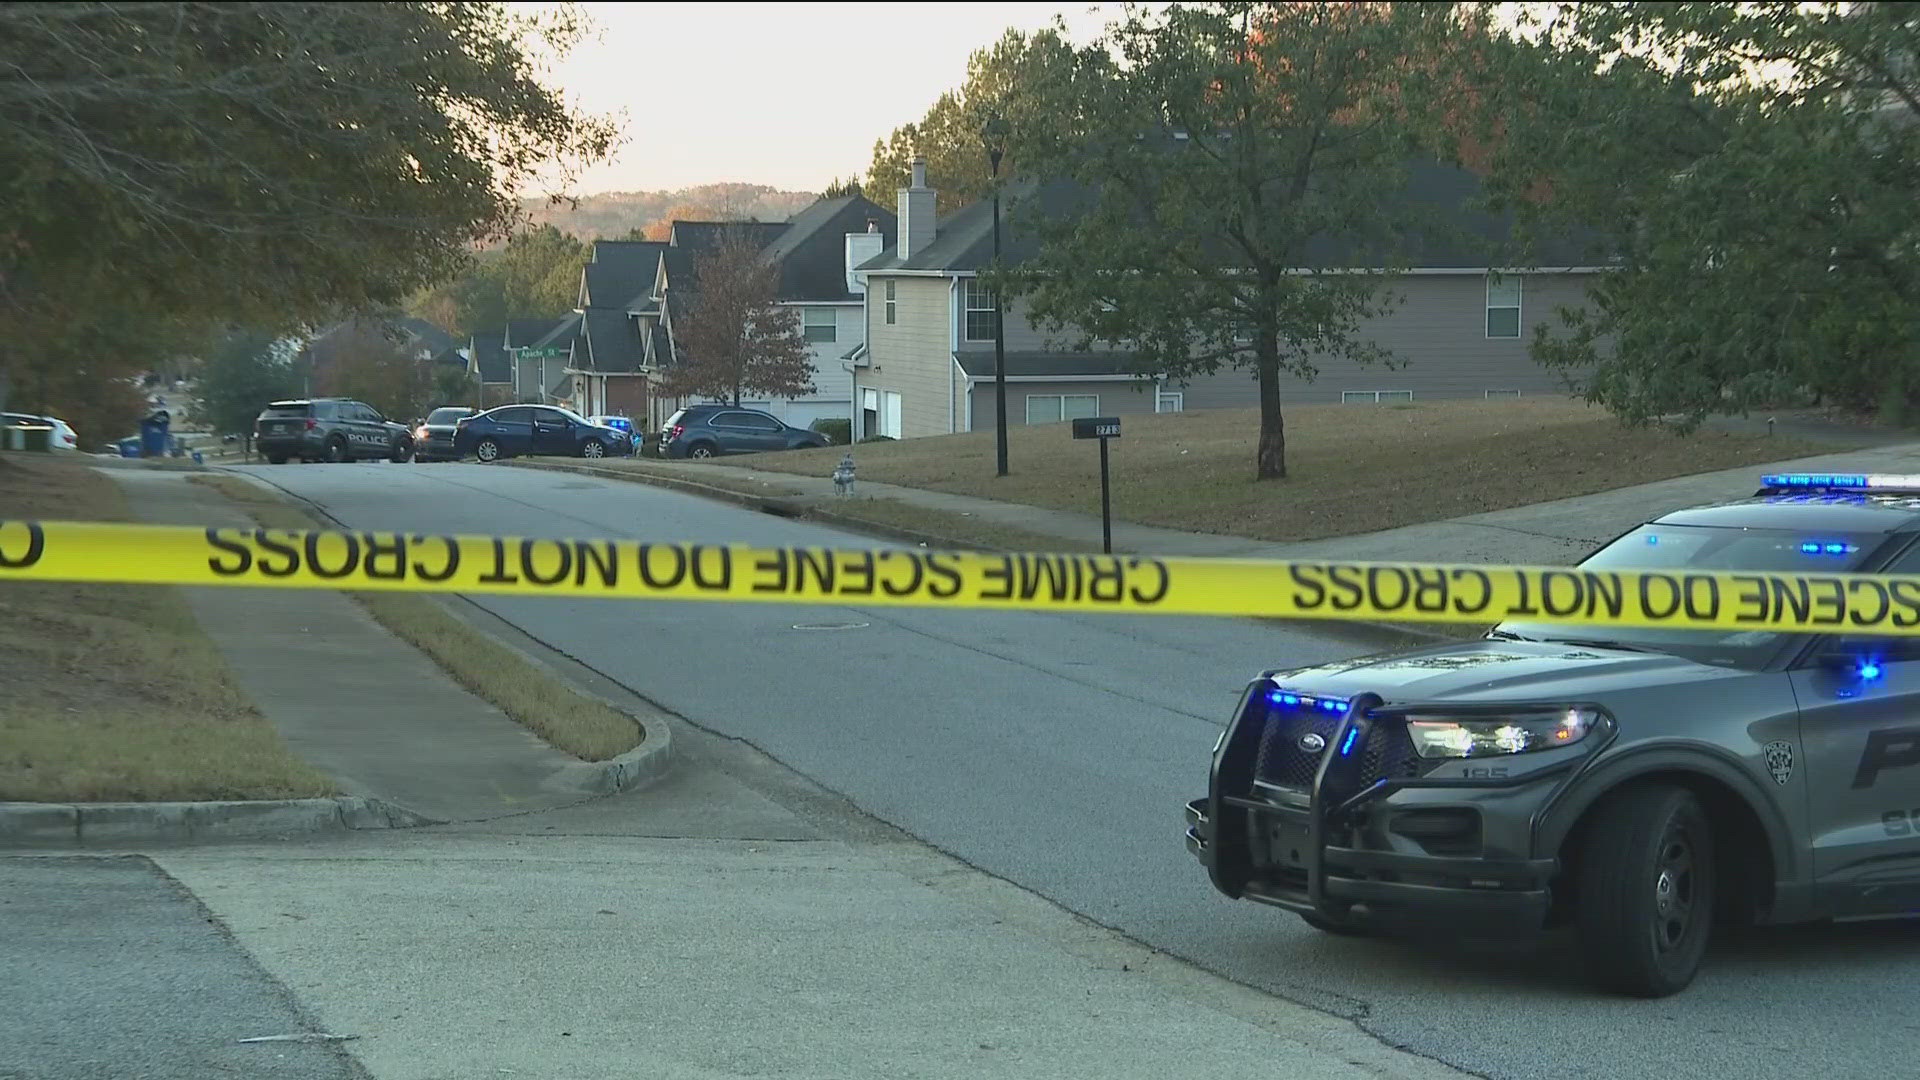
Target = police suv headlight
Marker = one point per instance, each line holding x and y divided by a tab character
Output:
1518	733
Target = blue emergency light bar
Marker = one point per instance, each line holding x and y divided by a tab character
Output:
1841	482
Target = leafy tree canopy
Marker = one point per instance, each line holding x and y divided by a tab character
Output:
1218	146
1753	169
263	164
949	136
737	339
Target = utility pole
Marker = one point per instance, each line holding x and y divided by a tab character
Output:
994	133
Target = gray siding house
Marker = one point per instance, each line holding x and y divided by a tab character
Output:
1461	330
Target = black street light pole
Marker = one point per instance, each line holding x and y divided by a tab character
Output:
994	133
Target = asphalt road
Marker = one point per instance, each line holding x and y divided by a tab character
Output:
1056	751
129	977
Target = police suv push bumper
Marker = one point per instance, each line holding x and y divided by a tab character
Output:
1306	849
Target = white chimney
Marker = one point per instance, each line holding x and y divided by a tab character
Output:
861	247
916	213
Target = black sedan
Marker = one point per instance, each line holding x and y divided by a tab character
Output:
433	439
544	430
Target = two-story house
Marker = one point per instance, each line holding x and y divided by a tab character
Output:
815	253
927	366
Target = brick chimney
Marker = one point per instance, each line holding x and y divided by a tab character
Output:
916	213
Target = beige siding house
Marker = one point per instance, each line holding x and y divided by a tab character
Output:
1459	331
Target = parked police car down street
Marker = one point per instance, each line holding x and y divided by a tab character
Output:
1639	785
328	429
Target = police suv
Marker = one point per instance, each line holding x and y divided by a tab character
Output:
329	429
1638	785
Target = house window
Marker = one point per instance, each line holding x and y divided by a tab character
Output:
821	324
892	307
1371	397
1501	394
980	311
1170	401
869	413
1053	408
1503	306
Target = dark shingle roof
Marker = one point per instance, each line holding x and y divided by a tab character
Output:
429	335
558	333
980	364
490	356
621	271
524	332
1463	236
699	235
812	252
612	342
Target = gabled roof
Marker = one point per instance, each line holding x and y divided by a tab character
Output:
621	271
558	334
490	356
521	333
1463	236
699	235
428	335
812	252
612	342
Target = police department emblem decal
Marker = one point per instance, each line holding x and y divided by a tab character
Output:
1313	742
1780	761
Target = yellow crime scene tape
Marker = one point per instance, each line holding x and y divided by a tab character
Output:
915	577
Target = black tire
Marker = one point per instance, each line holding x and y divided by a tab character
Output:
593	448
402	451
276	459
1644	891
700	451
1328	926
486	451
337	450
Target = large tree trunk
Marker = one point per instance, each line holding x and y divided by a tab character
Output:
1270	460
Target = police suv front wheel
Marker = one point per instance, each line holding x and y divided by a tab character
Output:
1645	890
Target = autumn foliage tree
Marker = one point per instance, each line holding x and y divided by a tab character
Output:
736	340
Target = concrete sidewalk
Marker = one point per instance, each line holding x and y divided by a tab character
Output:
734	920
357	702
1550	533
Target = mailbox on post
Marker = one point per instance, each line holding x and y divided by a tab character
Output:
1102	428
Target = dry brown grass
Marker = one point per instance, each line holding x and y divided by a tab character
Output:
568	720
112	692
1352	468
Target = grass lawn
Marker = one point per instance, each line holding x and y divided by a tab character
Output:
1351	468
587	728
111	692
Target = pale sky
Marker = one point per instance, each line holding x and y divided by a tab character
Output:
790	95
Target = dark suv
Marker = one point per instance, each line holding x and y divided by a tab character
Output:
1639	784
329	429
704	431
547	430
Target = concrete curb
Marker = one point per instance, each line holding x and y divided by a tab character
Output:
807	509
643	764
25	823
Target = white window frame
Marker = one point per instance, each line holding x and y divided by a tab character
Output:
1502	395
1060	414
892	303
1177	398
810	321
973	307
1519	300
1374	397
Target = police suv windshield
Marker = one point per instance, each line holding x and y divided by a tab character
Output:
1705	548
